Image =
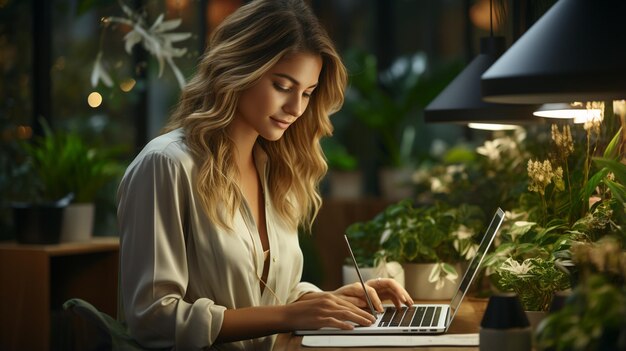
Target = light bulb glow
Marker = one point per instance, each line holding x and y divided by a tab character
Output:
127	85
492	126
577	112
94	99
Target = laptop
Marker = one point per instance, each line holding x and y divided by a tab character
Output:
419	318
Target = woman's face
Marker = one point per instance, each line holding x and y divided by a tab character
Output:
281	96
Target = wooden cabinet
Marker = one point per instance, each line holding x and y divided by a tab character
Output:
35	280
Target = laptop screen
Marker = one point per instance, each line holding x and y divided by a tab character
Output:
474	264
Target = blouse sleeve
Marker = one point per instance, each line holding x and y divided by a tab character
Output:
153	261
300	289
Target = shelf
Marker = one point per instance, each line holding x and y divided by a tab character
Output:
37	279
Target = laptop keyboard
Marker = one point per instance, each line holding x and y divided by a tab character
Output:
414	316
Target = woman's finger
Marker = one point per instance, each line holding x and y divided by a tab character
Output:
375	299
391	289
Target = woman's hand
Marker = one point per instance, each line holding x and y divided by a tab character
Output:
323	309
378	289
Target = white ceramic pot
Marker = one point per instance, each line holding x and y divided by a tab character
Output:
535	318
77	222
417	284
346	184
396	184
391	270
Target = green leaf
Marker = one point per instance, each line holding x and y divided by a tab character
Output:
591	185
449	269
612	151
618	168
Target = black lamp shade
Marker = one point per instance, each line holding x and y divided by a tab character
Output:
504	311
574	52
461	101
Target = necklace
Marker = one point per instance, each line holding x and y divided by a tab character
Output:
256	269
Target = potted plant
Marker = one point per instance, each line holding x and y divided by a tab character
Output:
592	317
388	103
573	197
431	243
344	178
365	241
65	167
386	113
531	261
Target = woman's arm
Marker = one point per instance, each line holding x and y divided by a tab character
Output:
153	263
313	311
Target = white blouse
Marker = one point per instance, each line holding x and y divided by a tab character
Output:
179	271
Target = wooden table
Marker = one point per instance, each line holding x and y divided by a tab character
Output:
467	320
37	279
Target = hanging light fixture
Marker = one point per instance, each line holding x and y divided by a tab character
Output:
461	101
574	52
492	126
576	111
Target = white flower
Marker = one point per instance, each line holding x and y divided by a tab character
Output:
155	39
489	149
437	186
514	267
453	170
420	175
99	73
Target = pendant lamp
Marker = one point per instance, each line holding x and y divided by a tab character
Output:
561	110
574	52
461	100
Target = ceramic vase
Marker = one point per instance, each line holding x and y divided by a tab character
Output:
391	270
417	284
396	184
346	184
77	222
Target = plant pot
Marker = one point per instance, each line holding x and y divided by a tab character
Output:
77	222
418	286
395	183
38	224
350	276
534	318
504	325
391	270
346	184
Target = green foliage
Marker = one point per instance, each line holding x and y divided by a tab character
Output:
435	234
408	234
388	102
63	163
535	281
364	240
337	156
593	316
529	260
86	5
492	173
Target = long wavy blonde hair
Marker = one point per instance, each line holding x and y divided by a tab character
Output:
243	48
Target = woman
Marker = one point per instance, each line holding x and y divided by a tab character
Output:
209	211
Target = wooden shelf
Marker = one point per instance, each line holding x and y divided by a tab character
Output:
38	279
